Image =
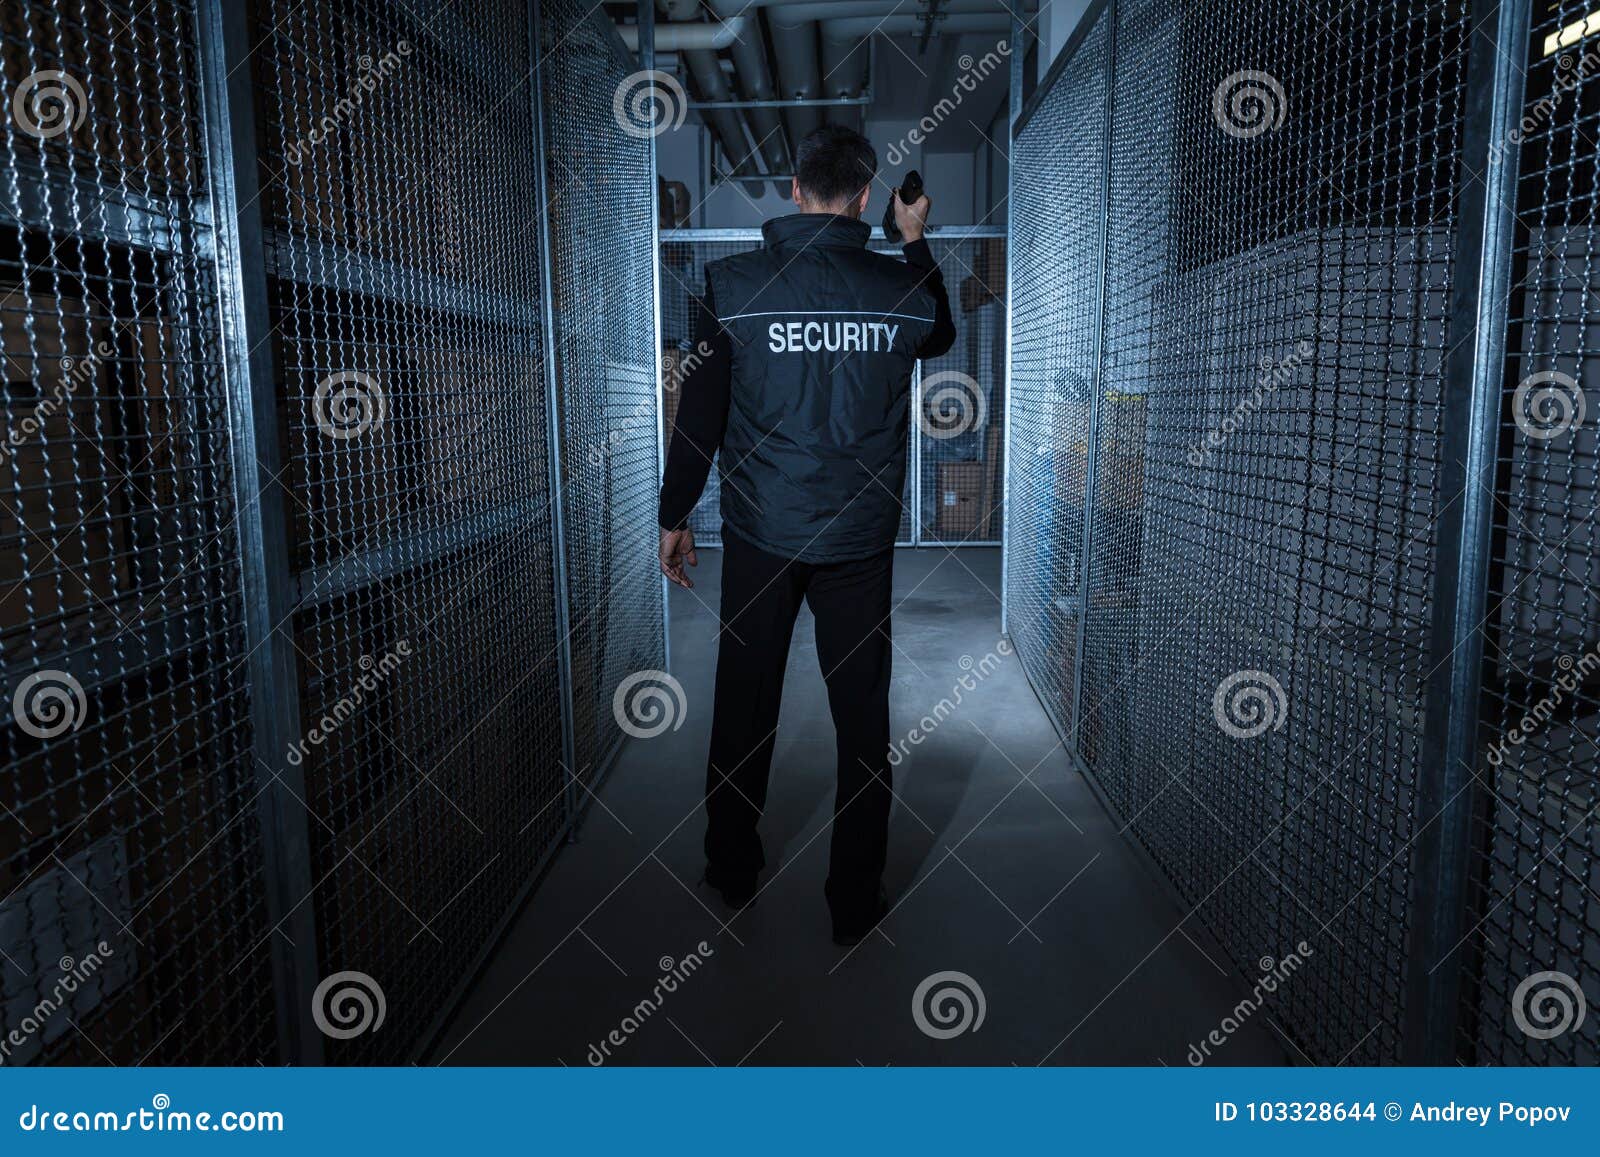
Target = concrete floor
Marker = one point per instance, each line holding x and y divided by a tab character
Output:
1002	863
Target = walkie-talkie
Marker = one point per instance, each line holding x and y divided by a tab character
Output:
909	192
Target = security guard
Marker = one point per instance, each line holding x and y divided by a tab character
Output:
804	355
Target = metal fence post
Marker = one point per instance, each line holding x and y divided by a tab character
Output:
916	454
647	62
263	523
553	432
1091	449
1019	60
1447	787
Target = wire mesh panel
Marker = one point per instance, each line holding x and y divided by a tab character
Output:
131	887
603	258
1533	944
1057	162
962	413
683	279
406	331
1279	218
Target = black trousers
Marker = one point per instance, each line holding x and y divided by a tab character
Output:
761	596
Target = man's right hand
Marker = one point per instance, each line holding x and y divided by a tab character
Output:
677	548
913	218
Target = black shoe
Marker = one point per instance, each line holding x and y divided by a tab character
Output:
847	934
737	891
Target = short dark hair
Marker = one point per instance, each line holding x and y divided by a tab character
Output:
834	164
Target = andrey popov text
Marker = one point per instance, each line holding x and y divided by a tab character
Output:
1448	1113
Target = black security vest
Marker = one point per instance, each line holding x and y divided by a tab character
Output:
824	335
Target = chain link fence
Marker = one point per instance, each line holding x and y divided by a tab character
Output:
1255	551
296	702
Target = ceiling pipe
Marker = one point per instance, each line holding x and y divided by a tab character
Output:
794	47
859	26
689	37
750	69
880	9
846	62
712	85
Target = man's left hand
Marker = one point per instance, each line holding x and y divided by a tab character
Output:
677	548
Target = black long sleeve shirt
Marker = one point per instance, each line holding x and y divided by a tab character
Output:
707	385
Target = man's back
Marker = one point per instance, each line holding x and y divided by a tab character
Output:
824	335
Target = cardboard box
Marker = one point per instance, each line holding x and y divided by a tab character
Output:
991	521
63	530
990	266
672	362
959	498
121	90
470	452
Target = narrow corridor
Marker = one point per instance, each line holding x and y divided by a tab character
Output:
1003	866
